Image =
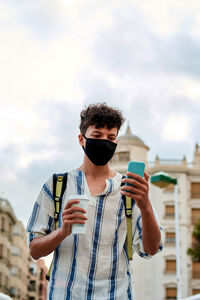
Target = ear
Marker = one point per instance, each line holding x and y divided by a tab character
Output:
81	140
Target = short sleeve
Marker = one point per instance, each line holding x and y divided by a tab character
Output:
41	221
137	233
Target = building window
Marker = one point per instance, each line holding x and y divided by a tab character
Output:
124	156
15	271
2	224
169	188
6	281
41	274
195	215
170	293
33	269
121	156
10	231
170	238
195	291
195	190
40	289
15	250
1	251
32	286
16	230
8	254
169	211
196	270
170	265
194	242
13	291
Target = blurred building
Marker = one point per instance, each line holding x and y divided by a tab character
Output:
21	277
42	280
33	280
155	279
19	263
7	220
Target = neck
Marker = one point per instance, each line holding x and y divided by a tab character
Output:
96	171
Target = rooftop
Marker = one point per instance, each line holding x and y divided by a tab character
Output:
128	137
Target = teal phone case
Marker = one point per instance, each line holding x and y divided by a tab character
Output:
136	167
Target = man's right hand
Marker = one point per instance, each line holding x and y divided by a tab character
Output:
72	214
44	245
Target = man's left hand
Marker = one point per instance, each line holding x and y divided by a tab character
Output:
138	190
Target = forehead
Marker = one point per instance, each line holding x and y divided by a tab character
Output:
105	130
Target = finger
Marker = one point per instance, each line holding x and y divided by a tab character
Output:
73	221
135	176
134	190
74	209
71	202
135	183
146	176
137	197
75	216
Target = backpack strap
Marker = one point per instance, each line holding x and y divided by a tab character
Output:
128	213
59	187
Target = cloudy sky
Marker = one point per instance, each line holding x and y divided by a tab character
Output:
58	55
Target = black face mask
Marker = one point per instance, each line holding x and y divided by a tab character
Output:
99	151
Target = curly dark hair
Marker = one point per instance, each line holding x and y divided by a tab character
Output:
101	115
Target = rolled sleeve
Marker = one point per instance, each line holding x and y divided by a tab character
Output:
41	221
137	235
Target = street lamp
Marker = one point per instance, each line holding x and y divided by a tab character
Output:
162	180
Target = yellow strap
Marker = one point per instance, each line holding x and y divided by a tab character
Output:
59	183
49	272
59	186
129	227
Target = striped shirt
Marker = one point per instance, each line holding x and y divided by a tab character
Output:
94	265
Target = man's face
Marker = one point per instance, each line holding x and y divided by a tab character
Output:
99	133
102	133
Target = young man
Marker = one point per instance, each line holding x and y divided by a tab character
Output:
94	265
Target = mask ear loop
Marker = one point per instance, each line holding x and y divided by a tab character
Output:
85	139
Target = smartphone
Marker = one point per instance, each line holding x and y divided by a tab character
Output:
136	167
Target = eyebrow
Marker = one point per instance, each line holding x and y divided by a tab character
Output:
99	132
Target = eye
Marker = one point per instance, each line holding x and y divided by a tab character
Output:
111	138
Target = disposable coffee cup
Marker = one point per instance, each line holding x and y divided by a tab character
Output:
80	228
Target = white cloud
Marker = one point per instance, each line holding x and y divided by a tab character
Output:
58	55
188	87
176	128
168	17
19	126
31	70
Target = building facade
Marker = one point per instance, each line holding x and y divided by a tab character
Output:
19	263
7	220
155	278
42	293
21	277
